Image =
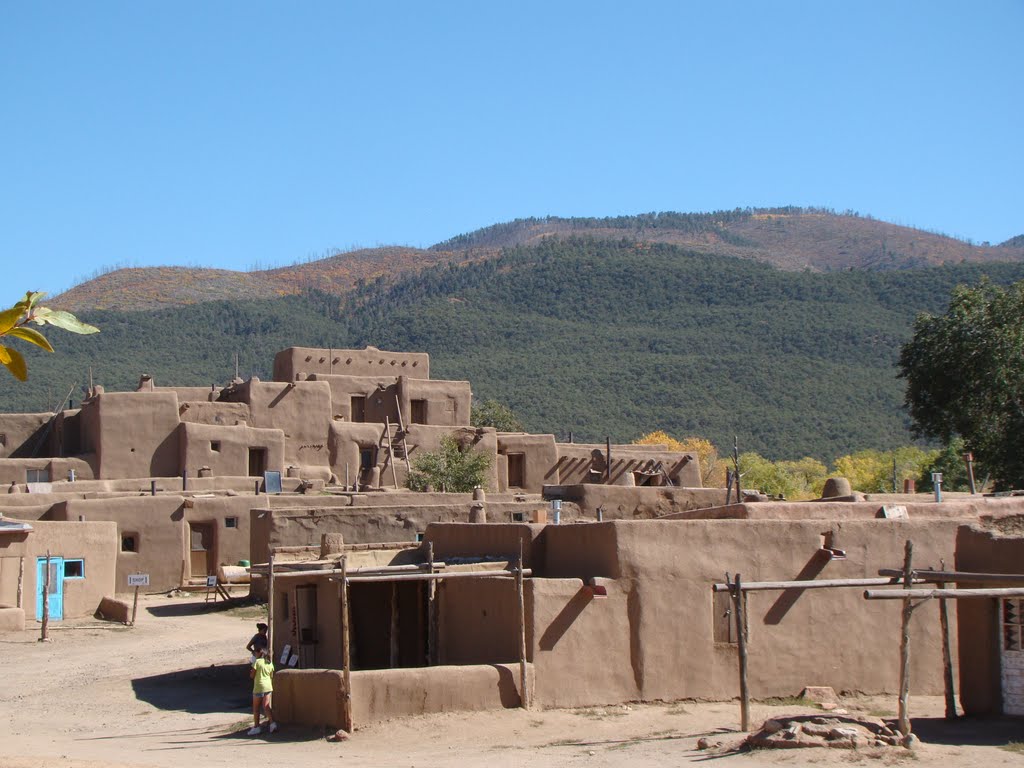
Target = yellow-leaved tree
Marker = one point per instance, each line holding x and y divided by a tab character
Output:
712	469
14	323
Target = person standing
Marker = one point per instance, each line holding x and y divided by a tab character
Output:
259	640
262	674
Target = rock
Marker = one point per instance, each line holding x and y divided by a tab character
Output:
817	729
829	706
771	726
703	743
791	733
910	741
843	733
340	735
820	694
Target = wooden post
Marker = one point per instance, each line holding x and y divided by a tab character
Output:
44	633
135	605
431	609
524	694
741	638
270	605
21	582
393	635
736	468
908	609
346	662
947	654
607	459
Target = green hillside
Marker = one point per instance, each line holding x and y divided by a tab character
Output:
601	337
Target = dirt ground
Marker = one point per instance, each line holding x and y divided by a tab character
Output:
174	690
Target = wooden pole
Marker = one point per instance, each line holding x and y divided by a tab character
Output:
607	459
908	609
393	634
21	582
431	609
44	632
960	577
759	586
346	650
135	605
952	594
270	605
524	694
741	638
947	657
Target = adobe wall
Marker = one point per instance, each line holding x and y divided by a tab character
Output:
637	503
158	524
478	621
585	463
833	510
136	434
313	696
16	471
225	414
540	460
994	545
225	450
345	441
379	393
423	438
20	431
93	542
184	394
12	550
296	363
653	635
328	625
445	403
301	410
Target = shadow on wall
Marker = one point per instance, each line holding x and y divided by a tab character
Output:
508	688
200	690
995	732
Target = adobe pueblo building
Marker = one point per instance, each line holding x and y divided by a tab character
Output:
178	469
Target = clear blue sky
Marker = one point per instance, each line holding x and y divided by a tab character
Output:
236	134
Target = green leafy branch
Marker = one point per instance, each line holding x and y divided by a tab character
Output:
14	323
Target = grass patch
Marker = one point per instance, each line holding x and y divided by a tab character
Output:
877	712
251	612
677	709
1017	747
790	701
599	713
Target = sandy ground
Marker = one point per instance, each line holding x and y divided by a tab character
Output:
174	691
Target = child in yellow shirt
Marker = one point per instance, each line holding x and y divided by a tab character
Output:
262	675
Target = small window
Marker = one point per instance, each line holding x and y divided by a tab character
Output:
518	517
74	569
129	542
367	460
419	536
37	475
215	446
230	522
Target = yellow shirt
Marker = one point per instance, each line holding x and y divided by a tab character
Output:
263	680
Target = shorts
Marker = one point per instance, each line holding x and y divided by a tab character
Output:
261	694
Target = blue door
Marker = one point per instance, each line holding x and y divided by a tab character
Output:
56	596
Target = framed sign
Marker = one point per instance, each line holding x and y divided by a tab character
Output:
138	579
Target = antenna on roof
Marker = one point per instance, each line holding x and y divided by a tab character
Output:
236	365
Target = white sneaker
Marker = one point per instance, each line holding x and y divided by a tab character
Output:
254	731
273	727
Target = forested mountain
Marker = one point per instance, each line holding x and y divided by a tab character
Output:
789	238
598	336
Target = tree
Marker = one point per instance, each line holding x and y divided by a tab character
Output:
14	323
871	471
965	377
450	469
793	480
491	413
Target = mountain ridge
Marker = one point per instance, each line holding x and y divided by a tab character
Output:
789	238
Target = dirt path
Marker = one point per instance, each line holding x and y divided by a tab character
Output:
174	691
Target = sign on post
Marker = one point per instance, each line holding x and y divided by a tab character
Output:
137	580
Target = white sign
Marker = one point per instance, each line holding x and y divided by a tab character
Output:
211	581
138	579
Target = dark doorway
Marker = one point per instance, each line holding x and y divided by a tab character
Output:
359	409
516	470
419	412
257	462
388	625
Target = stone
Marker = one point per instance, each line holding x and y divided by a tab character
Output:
910	741
340	735
771	726
703	743
820	694
836	734
836	486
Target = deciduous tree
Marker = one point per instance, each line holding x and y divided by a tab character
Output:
14	324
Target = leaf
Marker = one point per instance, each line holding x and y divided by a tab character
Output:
14	362
9	317
32	336
64	320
